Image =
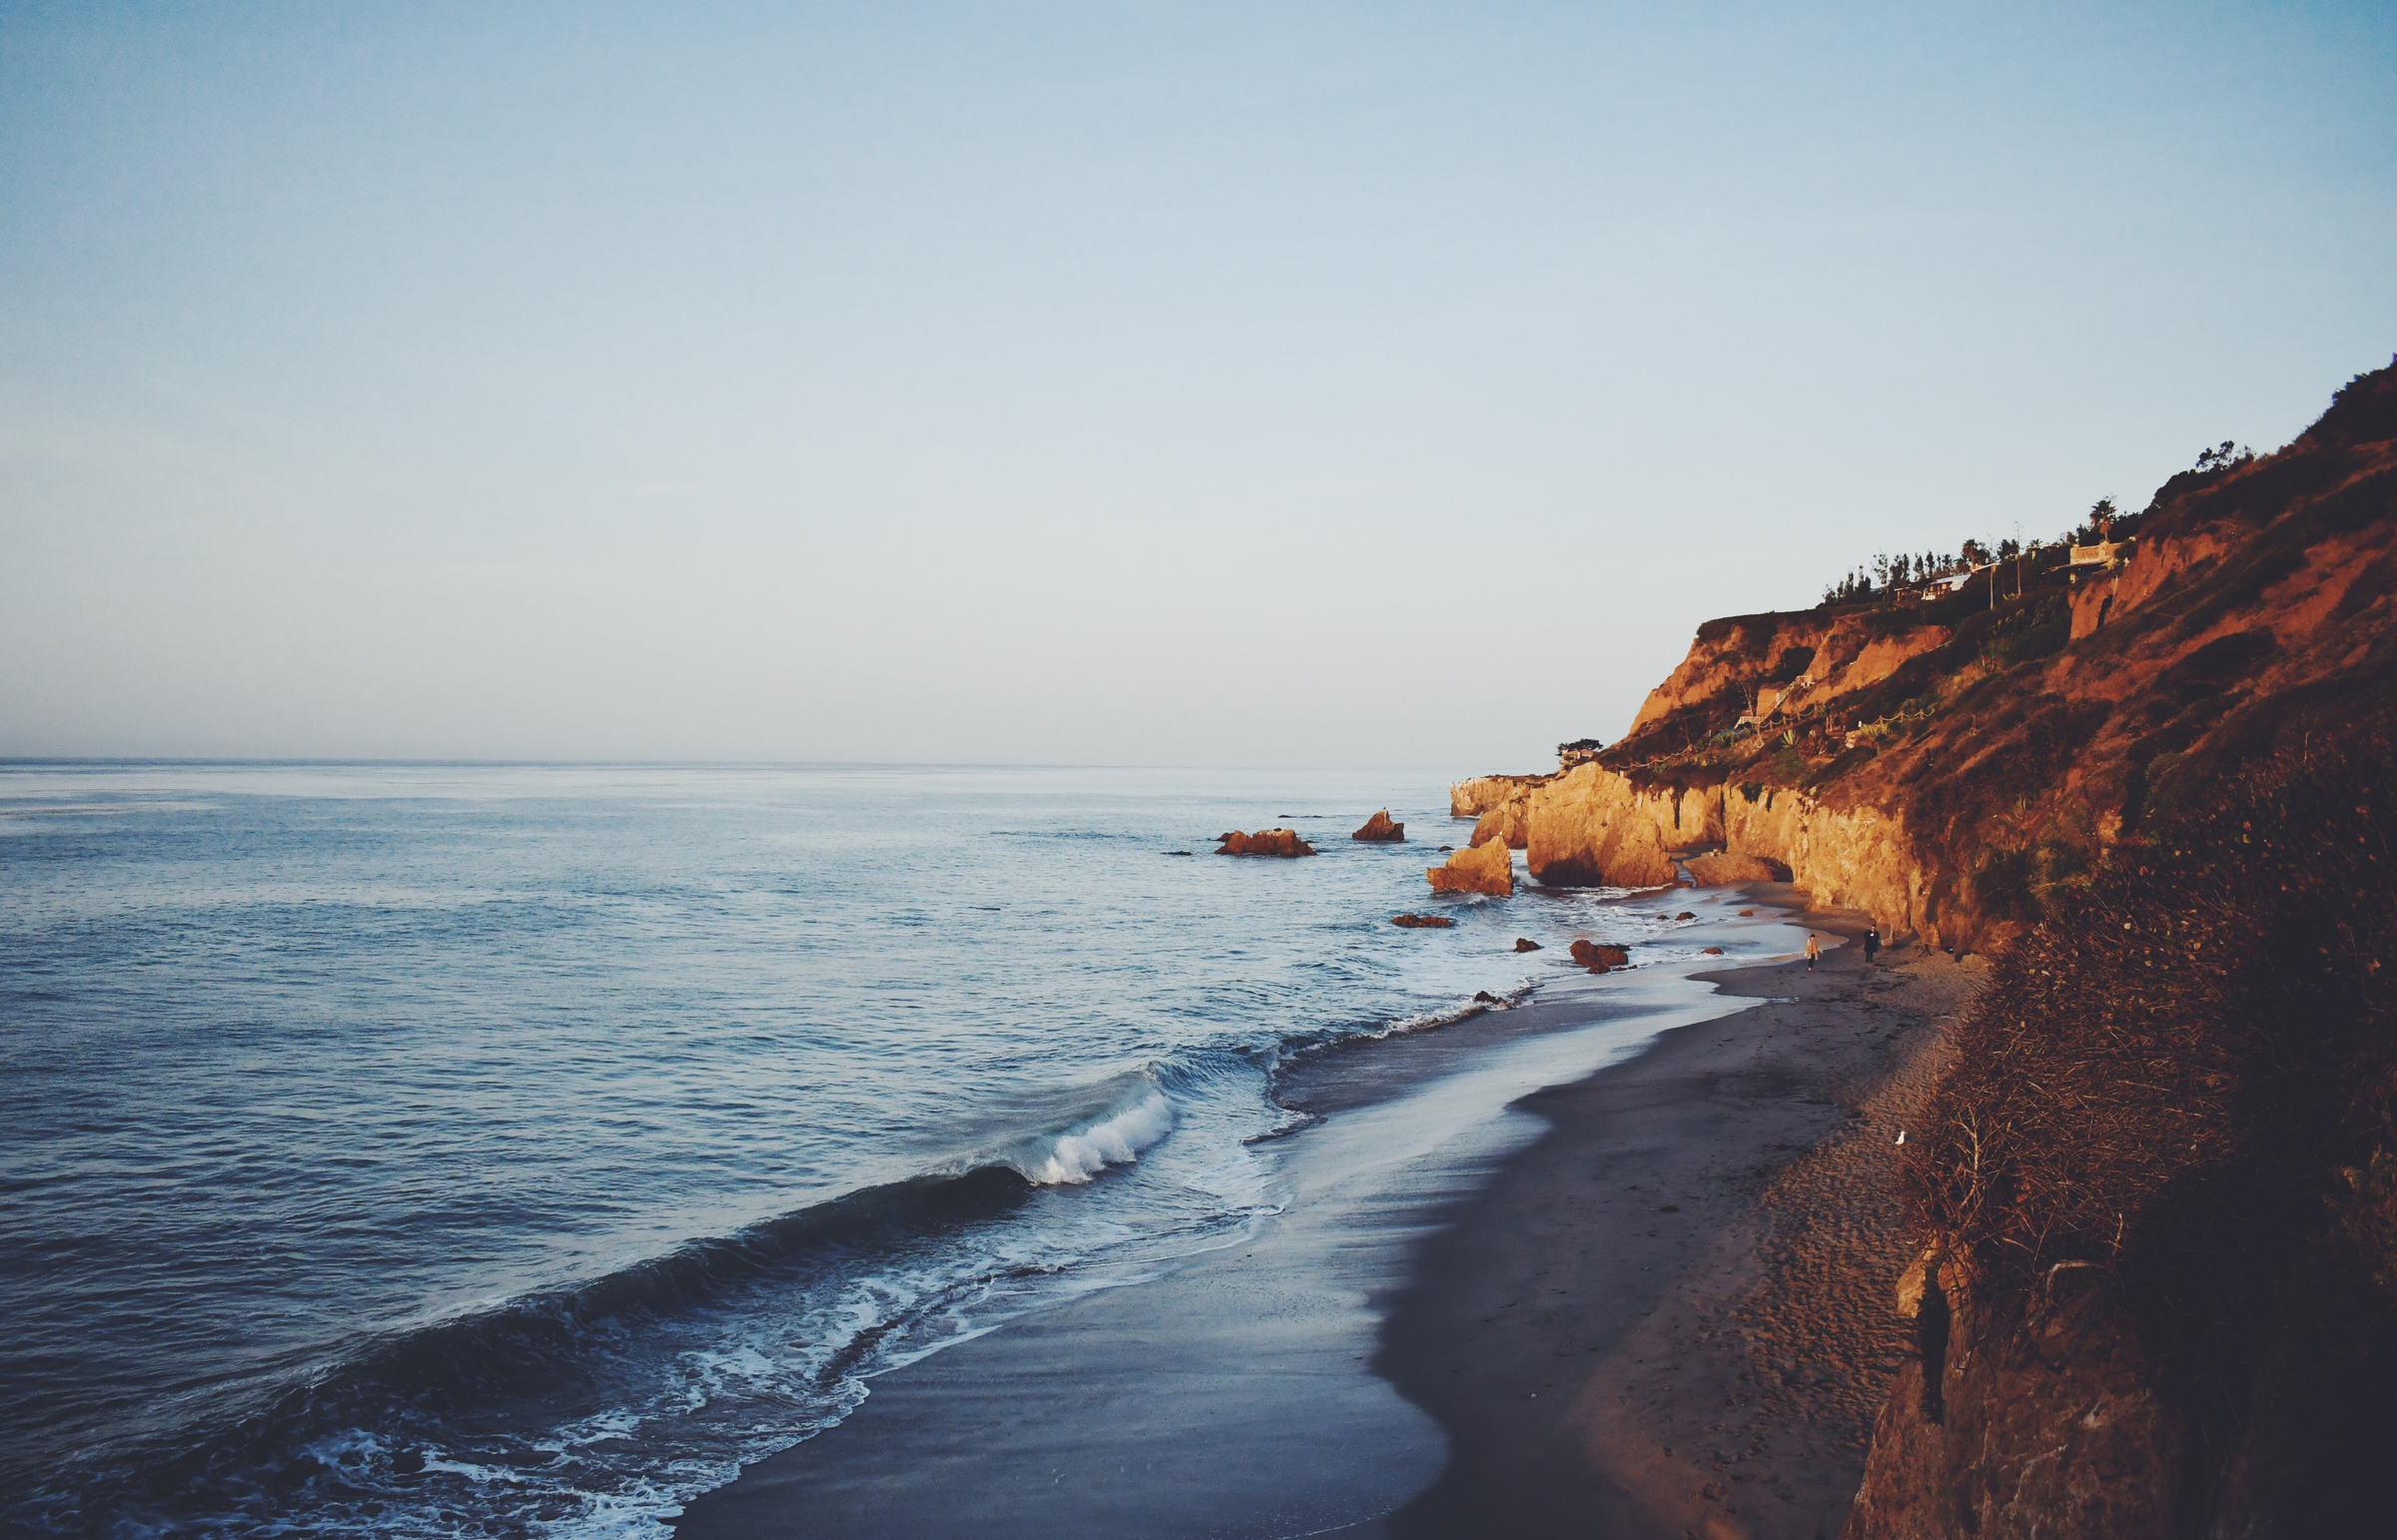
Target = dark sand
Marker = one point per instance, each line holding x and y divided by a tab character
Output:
1672	1315
1469	1320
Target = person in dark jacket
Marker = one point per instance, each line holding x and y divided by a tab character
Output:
1872	944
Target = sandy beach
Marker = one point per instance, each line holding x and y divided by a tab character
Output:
1671	1316
1505	1295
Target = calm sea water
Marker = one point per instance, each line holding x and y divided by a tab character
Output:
438	1151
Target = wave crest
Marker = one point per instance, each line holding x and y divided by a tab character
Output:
1117	1137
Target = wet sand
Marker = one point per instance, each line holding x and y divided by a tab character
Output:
1484	1307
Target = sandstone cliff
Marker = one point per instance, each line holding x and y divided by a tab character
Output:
1594	826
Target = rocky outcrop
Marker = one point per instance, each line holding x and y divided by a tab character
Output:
1422	922
1526	944
1472	798
1264	842
1486	867
1508	822
1724	870
1380	829
1593	827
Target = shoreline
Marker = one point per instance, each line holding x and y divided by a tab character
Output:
1346	1365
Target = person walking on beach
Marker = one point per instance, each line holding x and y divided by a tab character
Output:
1813	949
1872	943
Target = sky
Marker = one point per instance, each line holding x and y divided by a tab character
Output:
1109	383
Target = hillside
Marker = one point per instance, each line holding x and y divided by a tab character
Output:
1948	763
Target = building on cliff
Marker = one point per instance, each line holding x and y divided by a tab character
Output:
1580	751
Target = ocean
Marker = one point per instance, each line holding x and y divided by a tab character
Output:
441	1149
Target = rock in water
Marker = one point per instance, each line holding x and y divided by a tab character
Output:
1265	842
1526	944
1684	915
1599	954
1503	822
1710	951
1423	921
1487	999
1379	827
1486	867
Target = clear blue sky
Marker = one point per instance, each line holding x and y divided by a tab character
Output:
1114	383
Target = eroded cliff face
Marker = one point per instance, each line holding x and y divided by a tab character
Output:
1794	661
1846	857
1594	827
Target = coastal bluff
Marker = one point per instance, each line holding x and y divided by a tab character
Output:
1945	758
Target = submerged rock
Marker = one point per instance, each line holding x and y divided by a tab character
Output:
1380	828
1684	915
1483	869
1265	842
1422	922
1526	944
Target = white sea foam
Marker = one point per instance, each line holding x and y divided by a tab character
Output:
1451	1015
1116	1140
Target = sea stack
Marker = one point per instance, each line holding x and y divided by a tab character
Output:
1486	867
1380	829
